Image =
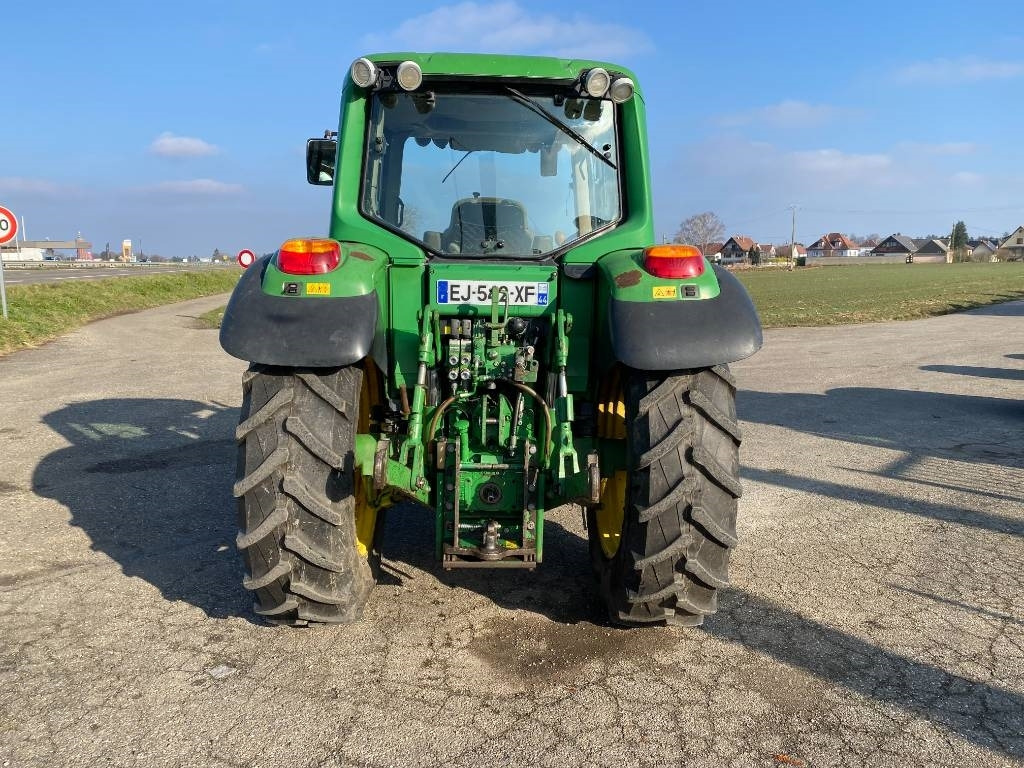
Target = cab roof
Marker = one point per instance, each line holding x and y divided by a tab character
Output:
495	65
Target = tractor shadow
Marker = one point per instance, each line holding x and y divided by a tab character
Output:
929	429
1013	307
561	588
970	428
149	481
1013	374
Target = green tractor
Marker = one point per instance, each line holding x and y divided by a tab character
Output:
490	333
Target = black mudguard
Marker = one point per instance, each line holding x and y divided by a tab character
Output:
669	335
296	332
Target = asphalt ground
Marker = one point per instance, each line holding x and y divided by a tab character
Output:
876	616
34	275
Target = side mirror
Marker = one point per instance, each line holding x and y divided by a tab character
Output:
320	158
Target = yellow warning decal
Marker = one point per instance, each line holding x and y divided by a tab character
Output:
320	289
664	291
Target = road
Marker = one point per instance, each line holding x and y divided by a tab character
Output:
29	276
876	616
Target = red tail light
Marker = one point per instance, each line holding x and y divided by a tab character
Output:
308	256
674	261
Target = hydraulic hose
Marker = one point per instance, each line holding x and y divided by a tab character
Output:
432	427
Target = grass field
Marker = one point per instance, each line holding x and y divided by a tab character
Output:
39	313
810	296
212	318
869	293
873	293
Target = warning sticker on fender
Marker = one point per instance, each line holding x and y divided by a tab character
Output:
664	291
318	289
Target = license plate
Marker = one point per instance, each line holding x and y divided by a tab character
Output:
479	292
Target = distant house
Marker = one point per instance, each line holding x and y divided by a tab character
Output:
736	249
712	252
782	251
1012	248
866	247
933	251
983	250
768	251
832	245
897	245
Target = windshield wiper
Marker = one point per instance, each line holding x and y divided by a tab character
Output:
470	152
533	106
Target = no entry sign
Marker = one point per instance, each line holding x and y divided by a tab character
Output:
8	229
8	225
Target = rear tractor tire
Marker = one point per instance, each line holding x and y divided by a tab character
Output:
660	540
306	531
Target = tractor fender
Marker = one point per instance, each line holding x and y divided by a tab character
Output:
295	332
663	336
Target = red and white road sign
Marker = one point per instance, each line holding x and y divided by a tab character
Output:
246	258
8	225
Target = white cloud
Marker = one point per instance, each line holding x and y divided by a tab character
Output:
966	69
789	113
38	188
169	145
762	172
506	27
967	178
750	185
836	166
197	187
941	149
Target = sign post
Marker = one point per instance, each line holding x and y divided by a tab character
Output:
8	229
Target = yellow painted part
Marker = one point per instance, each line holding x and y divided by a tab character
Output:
611	408
366	518
617	421
365	508
611	425
611	513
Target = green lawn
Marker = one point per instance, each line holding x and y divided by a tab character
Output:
808	296
39	313
877	292
212	318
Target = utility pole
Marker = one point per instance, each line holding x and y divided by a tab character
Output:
792	238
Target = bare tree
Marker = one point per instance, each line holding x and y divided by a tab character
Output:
701	229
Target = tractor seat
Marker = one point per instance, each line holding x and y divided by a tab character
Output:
478	224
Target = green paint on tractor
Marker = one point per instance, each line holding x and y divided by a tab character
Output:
467	339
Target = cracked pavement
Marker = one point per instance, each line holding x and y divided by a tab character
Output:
876	615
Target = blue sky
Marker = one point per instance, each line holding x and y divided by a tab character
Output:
183	125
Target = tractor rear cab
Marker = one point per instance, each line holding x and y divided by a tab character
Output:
489	332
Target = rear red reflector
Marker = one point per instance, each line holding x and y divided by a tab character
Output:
308	256
675	261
